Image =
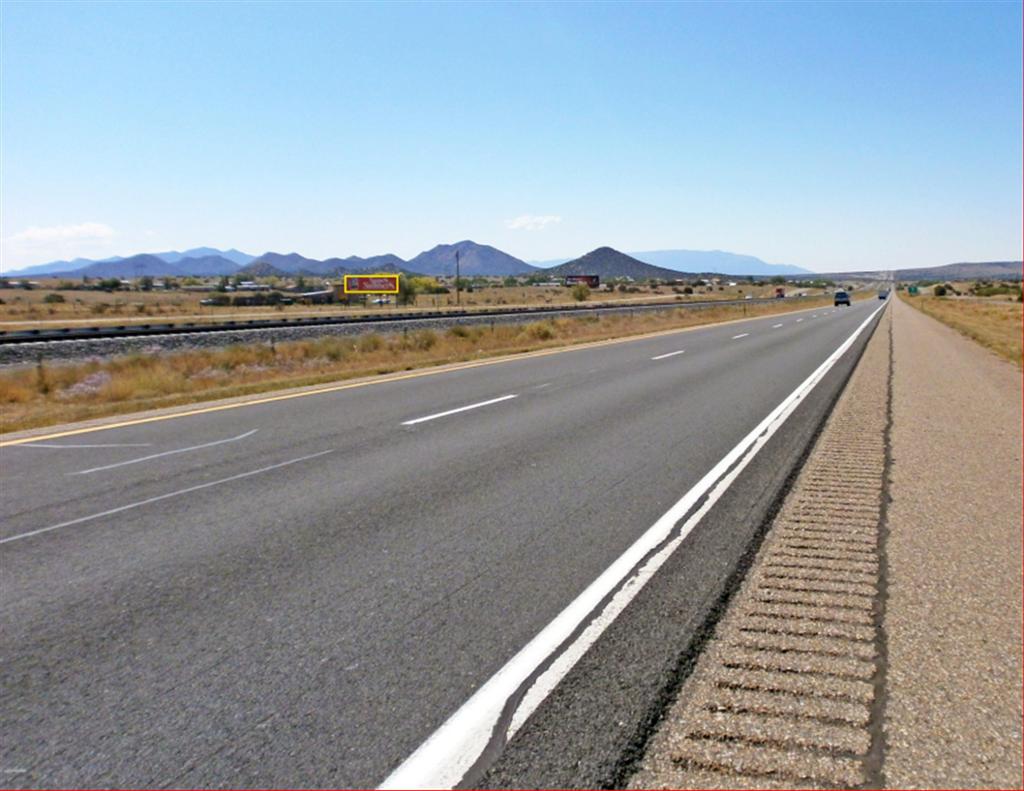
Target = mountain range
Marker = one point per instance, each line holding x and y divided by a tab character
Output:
474	260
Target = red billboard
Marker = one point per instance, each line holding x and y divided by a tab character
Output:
593	281
371	284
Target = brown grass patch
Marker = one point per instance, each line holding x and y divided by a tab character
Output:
995	325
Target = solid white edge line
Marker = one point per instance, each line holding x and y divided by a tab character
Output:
454	411
741	335
670	354
162	497
165	453
450	751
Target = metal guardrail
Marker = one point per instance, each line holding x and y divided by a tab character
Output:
137	330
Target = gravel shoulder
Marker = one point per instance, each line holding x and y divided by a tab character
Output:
876	641
953	717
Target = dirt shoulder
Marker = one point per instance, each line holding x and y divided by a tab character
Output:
953	717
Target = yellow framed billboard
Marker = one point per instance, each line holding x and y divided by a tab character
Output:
371	284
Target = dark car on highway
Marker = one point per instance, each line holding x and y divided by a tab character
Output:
842	298
883	294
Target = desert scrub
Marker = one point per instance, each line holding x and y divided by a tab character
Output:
996	325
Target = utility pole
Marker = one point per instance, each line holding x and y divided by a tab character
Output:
457	300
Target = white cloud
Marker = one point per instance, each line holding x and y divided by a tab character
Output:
532	222
83	231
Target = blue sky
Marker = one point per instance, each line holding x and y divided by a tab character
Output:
830	136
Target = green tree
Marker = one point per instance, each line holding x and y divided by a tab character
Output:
146	283
406	291
580	292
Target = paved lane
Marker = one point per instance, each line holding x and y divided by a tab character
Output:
300	592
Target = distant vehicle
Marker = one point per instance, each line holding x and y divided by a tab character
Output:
749	296
780	293
842	298
883	294
382	301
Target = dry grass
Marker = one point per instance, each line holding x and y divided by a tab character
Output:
52	394
996	325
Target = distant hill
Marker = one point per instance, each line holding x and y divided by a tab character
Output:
183	264
236	257
474	259
153	266
376	263
205	266
55	266
978	270
289	263
135	266
549	263
718	261
295	264
609	263
261	269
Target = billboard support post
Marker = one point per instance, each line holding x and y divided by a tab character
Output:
458	301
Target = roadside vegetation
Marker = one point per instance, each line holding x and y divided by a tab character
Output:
996	324
62	302
48	394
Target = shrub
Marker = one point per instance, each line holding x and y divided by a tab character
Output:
369	343
53	299
458	331
541	331
424	339
580	292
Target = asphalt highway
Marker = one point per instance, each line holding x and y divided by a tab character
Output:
301	592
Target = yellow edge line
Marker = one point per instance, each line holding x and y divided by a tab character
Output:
382	380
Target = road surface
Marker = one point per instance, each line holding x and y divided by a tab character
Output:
300	592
